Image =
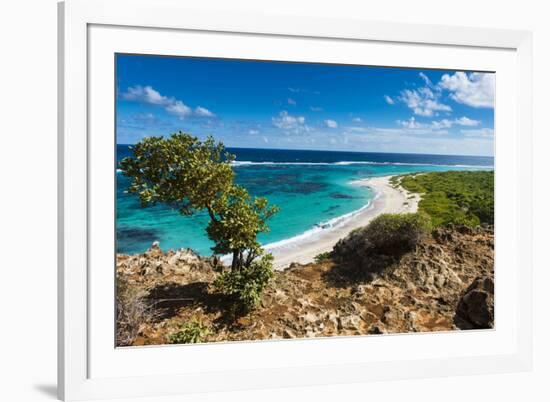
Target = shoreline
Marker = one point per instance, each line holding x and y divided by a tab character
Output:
387	199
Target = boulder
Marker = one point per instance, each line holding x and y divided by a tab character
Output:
476	307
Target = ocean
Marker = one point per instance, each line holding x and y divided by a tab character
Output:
312	189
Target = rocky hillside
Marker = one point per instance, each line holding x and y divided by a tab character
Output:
445	283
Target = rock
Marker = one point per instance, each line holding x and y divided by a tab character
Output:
146	270
420	291
476	307
158	267
288	334
393	315
309	318
154	251
333	319
359	290
349	322
375	330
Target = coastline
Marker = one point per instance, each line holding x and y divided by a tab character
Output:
387	199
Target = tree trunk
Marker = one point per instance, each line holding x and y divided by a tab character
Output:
235	261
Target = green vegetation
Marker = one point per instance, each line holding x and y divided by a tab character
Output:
192	332
190	175
396	233
387	237
246	284
323	256
454	197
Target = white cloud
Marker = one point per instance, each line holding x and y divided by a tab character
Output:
285	120
479	132
410	123
291	101
147	94
445	123
316	109
203	112
408	127
253	132
464	121
423	101
438	124
290	123
331	123
426	79
357	120
473	89
179	109
389	100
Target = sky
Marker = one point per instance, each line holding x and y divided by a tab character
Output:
268	104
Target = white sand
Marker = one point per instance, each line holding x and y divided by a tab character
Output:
387	200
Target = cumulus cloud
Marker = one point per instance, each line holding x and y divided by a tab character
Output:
410	123
203	112
146	95
445	123
389	100
423	101
473	89
464	121
290	123
149	95
291	101
179	109
357	120
331	123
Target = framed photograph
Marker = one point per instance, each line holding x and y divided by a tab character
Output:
251	201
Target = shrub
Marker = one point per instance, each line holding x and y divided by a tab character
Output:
192	332
388	235
133	310
396	233
323	257
246	285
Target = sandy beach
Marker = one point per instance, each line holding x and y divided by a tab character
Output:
387	200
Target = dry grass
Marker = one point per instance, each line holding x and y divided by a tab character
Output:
134	311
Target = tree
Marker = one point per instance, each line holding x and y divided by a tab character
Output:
189	175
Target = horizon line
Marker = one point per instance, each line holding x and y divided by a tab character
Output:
348	151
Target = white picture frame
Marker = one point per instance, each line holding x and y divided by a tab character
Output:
83	27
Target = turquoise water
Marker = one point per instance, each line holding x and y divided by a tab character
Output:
312	189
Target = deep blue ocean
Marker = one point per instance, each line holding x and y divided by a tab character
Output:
311	188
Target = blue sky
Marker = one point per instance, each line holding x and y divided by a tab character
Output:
257	104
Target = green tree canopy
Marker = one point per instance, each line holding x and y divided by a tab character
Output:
190	175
